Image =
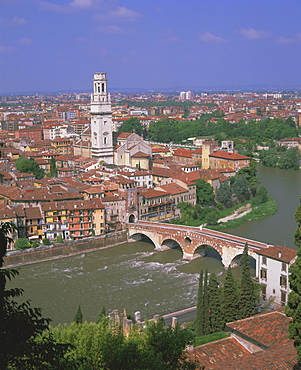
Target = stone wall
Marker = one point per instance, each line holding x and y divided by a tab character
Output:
44	253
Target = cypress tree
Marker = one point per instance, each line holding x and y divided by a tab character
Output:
230	298
199	308
78	317
102	314
206	319
293	307
248	302
216	316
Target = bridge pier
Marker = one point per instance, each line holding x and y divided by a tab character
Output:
188	256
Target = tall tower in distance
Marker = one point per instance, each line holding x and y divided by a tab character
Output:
101	120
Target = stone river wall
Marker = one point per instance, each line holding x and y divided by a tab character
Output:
72	247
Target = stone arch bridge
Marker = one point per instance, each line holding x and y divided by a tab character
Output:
189	238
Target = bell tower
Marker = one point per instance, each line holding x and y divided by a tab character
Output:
101	120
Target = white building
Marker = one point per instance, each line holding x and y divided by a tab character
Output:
272	270
101	120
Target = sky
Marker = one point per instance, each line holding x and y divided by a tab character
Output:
57	45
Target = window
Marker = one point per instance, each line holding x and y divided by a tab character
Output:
284	267
264	260
283	281
283	298
263	274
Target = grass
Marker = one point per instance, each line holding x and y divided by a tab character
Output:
268	208
210	338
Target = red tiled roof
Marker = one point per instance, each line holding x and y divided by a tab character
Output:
226	155
181	152
173	188
124	135
140	155
153	193
268	329
279	253
220	351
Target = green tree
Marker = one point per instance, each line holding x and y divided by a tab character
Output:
132	125
29	166
293	307
241	189
59	239
204	192
102	346
188	212
168	344
248	299
217	322
212	217
199	307
230	297
22	344
290	159
269	157
46	241
224	195
78	317
102	314
206	319
53	168
261	196
22	243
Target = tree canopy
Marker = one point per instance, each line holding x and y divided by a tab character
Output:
293	307
29	166
204	192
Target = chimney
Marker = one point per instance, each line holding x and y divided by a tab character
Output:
279	254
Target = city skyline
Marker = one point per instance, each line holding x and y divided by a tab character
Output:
59	45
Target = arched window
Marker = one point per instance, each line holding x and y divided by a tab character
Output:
105	140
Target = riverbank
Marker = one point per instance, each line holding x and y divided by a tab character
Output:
68	249
241	215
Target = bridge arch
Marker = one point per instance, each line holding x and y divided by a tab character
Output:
142	236
205	250
171	243
237	260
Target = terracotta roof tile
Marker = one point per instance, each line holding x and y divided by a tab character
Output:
230	156
268	329
279	253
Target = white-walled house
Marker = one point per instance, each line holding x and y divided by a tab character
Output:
273	269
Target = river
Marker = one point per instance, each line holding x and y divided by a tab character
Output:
285	187
135	277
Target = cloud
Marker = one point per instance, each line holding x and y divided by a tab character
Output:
14	22
168	38
285	41
25	41
71	6
125	14
209	37
114	30
252	34
7	50
81	4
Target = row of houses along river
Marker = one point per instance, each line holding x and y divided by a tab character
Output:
135	277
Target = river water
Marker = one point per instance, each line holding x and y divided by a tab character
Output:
135	277
285	187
